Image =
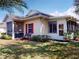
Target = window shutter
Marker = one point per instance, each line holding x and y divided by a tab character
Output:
33	27
26	28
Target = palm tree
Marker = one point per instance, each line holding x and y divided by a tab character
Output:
11	5
77	6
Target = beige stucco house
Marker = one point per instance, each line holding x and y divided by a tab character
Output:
38	23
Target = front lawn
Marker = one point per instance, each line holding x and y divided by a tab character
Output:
33	50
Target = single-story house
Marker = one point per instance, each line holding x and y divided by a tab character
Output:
38	23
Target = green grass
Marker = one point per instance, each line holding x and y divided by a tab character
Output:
30	50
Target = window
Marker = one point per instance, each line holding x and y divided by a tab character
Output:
29	28
9	28
61	29
71	26
53	27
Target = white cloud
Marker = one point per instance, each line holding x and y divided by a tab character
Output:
70	12
56	13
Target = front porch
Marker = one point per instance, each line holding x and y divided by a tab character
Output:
71	26
72	29
18	29
21	29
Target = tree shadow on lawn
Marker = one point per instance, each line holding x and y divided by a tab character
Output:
17	50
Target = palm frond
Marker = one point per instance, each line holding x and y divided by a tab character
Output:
9	5
77	9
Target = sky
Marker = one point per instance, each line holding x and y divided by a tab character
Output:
46	6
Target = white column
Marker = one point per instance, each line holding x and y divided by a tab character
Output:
24	29
41	29
65	27
13	34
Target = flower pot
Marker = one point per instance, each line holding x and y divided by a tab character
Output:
77	38
66	39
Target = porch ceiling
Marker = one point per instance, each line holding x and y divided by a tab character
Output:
77	21
71	18
18	20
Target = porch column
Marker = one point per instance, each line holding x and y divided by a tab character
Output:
41	29
13	33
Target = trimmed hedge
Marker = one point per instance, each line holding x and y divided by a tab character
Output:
41	38
6	37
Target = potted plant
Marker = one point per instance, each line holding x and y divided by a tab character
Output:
77	36
67	36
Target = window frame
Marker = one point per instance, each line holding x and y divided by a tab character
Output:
9	28
29	28
61	29
52	29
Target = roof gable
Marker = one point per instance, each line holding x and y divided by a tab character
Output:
36	13
31	14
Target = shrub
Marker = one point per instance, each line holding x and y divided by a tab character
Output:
76	44
6	37
77	34
41	38
1	34
68	36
